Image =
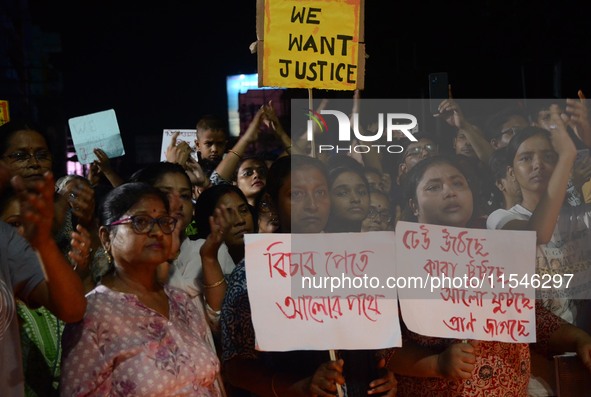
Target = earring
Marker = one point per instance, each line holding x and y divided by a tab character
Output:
109	257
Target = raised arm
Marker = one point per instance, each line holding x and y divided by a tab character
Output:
227	166
62	291
453	115
544	216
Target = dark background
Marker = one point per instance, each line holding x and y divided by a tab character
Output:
164	65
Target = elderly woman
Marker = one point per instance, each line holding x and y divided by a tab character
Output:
138	337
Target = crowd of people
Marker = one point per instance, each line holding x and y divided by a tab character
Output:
137	286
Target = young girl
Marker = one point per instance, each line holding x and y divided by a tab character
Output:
349	195
299	187
540	162
439	191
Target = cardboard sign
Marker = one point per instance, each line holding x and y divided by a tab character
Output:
295	300
96	130
184	135
311	44
467	283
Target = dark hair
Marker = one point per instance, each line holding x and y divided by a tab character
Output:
9	129
498	163
154	172
258	159
211	122
492	126
207	203
521	137
535	106
415	175
341	163
119	200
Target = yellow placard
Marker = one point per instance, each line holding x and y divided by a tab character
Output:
312	44
4	114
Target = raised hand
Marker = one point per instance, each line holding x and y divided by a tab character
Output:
80	251
578	117
81	199
36	208
178	152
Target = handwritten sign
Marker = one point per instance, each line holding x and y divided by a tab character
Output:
469	283
184	135
295	300
4	113
96	130
311	44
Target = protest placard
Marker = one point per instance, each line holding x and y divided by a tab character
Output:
186	135
311	44
319	291
96	130
467	283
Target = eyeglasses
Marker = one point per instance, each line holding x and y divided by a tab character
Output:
23	157
413	151
261	172
383	216
144	223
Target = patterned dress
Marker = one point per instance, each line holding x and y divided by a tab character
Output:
123	348
501	370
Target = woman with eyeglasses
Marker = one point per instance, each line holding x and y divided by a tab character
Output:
138	337
251	177
25	152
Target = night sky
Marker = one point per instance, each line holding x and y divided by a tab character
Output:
163	66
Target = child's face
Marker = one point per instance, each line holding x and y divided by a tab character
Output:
211	144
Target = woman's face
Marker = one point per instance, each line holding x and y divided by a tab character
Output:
533	164
11	214
379	215
349	198
130	248
304	202
251	178
443	197
28	156
240	219
267	215
178	190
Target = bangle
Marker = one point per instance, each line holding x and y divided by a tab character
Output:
216	284
234	153
273	385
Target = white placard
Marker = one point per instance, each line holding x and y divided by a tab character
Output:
288	317
184	135
96	130
459	282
